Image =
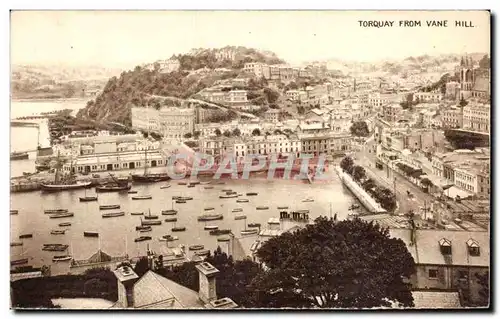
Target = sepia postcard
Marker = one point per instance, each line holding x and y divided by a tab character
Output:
232	160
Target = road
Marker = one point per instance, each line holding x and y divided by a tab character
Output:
366	157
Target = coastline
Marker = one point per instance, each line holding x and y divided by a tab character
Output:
57	100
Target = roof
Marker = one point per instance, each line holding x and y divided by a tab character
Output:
481	84
317	111
99	256
436	299
427	250
155	291
313	126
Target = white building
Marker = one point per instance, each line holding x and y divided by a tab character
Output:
428	97
477	118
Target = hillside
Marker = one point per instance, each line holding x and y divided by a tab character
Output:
135	88
52	81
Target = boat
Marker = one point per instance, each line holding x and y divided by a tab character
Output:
169	212
64	186
251	225
14	244
142	227
208	208
227	190
202	252
228	196
90	234
282	207
19	262
15	156
217	232
116	214
114	187
209	217
180	201
57	232
149	177
196	247
54	247
137	214
195	182
190	185
142	197
142	238
249	231
171	219
55	211
223	239
168	238
252	194
106	207
182	183
240	217
151	222
242	200
208	187
165	186
354	206
62	215
262	207
25	236
210	227
308	200
14	212
61	258
184	198
178	229
231	193
64	224
237	210
88	199
146	230
205	182
151	216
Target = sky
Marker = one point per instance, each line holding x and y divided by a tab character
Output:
119	38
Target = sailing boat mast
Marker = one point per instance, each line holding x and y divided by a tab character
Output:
145	161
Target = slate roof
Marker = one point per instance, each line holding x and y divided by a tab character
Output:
481	84
427	250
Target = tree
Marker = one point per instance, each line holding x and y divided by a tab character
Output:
426	183
142	266
227	133
358	173
217	132
463	102
188	135
256	132
484	293
386	198
271	95
484	63
368	184
360	128
236	132
348	264
278	132
347	164
196	134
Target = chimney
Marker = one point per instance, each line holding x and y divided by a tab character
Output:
207	274
126	279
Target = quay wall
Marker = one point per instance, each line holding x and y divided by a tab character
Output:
368	202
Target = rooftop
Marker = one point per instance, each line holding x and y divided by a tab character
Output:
436	299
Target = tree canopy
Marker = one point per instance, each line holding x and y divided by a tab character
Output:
360	128
346	264
347	164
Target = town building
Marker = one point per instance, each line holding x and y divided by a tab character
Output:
477	118
452	90
452	118
391	112
428	97
171	122
272	115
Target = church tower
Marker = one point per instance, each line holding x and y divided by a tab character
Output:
466	76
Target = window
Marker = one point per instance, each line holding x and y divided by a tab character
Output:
463	275
445	246
473	247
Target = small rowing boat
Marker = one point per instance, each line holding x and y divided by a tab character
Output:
61	258
227	190
223	239
208	187
190	185
105	207
90	234
57	232
168	238
210	227
237	210
182	183
151	222
282	207
14	244
205	218
171	220
242	200
262	207
185	198
117	214
132	192
145	230
54	247
202	252
249	231
25	236
307	200
252	225
196	247
14	212
55	211
178	229
180	201
142	227
142	197
208	208
169	212
142	238
137	214
217	232
228	196
62	215
252	194
19	262
165	186
88	199
240	217
64	224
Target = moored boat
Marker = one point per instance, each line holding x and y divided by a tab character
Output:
14	244
54	247
354	206
171	219
182	183
88	199
262	207
62	215
208	208
19	262
209	217
149	216
169	212
64	224
116	214
240	217
56	187
227	190
137	214
55	211
282	207
208	187
142	238
168	238
210	227
106	207
185	198
196	247
228	196
14	212
178	229
217	232
180	201
132	192
252	194
190	185
15	156
146	230
202	252
249	231
237	210
165	186
308	200
113	187
142	227
224	239
251	225
25	236
90	234
151	222
143	197
61	258
57	232
242	200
